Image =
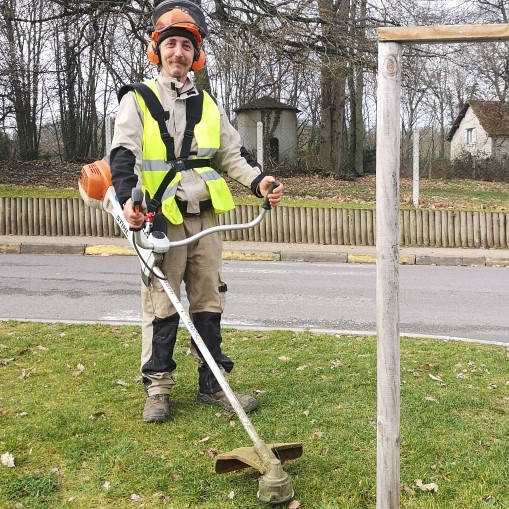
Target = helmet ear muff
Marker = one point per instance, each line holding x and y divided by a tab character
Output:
154	56
153	53
199	60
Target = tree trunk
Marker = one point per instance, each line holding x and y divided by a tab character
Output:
333	87
24	51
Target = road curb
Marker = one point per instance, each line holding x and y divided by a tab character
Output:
450	261
106	250
254	256
10	248
284	253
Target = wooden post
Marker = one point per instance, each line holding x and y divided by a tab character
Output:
390	40
387	274
259	143
107	135
416	165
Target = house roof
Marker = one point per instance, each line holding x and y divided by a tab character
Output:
492	115
265	103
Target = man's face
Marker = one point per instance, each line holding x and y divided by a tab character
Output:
177	54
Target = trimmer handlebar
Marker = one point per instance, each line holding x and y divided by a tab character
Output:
147	240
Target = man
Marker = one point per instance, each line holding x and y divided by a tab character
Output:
145	150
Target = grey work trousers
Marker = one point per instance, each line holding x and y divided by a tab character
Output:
198	265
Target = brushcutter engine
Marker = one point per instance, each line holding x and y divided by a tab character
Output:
94	182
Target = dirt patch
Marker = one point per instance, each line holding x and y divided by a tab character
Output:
49	174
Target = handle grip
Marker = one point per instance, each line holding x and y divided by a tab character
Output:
266	203
137	198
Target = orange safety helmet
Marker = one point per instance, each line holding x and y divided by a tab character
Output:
181	17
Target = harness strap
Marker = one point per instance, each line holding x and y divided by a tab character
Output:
178	165
194	109
156	110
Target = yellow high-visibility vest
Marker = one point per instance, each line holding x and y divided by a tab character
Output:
155	167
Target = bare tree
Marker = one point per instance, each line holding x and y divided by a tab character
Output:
21	56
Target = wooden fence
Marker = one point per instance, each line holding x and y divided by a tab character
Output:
355	227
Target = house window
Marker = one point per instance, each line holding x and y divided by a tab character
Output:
470	136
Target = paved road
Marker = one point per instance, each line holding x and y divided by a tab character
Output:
466	302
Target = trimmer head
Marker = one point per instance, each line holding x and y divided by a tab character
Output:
275	486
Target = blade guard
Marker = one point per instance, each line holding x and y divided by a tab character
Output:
245	457
93	183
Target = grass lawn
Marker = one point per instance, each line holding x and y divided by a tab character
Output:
316	191
70	416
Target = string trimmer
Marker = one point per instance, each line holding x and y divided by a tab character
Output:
275	486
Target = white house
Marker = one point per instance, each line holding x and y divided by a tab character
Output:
279	128
481	129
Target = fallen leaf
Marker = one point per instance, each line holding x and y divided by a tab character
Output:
98	415
317	435
7	460
176	477
4	362
231	495
431	398
284	358
3	411
107	485
432	487
205	439
300	368
409	491
122	383
335	364
294	504
135	497
489	500
79	369
25	373
306	412
211	453
163	497
435	378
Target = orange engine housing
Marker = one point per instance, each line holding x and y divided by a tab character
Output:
95	179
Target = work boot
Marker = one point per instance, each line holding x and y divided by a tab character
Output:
157	408
248	403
